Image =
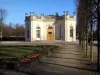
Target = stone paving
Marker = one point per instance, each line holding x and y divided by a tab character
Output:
69	59
71	56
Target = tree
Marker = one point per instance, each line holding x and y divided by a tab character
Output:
88	12
20	30
3	13
8	30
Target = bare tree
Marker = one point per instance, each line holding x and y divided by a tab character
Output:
3	13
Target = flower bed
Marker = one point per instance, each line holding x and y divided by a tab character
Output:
23	54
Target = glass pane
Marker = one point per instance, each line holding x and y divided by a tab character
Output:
38	33
37	27
50	27
71	31
49	32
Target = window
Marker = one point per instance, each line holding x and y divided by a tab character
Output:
37	27
49	32
37	32
50	27
71	31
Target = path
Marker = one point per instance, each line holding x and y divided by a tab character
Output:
70	56
68	60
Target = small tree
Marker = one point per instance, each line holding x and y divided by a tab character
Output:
3	13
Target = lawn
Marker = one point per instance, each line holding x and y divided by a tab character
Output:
17	52
13	55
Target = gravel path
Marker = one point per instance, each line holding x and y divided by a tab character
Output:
68	60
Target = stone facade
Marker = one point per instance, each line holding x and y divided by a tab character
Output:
50	27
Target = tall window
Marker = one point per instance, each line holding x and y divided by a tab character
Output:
38	32
71	31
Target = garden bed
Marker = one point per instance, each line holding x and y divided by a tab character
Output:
12	55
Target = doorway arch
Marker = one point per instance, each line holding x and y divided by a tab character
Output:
50	33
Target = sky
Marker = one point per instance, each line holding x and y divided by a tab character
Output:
16	9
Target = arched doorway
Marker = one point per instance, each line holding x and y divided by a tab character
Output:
50	33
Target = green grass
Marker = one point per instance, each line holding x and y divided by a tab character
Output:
18	52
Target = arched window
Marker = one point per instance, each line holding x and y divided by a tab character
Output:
38	27
38	32
50	27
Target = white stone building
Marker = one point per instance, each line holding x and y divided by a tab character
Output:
50	27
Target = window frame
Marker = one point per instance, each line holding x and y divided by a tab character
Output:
38	32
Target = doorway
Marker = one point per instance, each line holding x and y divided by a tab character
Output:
50	33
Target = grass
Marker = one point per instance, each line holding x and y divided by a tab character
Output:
10	55
17	52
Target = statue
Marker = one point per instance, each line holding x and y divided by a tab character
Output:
57	16
31	13
74	13
26	14
65	13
